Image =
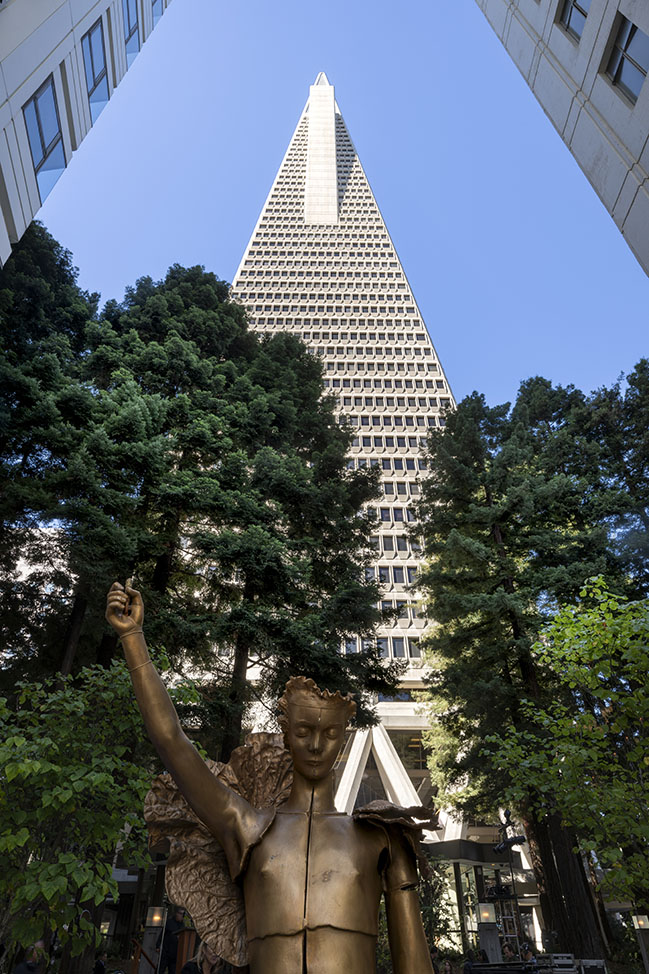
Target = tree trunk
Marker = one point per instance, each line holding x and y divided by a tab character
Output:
107	650
584	928
552	901
237	696
73	631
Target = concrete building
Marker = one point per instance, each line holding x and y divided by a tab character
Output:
60	61
321	264
586	62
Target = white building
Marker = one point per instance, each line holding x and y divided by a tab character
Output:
586	62
320	264
60	61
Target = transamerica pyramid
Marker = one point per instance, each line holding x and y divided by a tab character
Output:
320	264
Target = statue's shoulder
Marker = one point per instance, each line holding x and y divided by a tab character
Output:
403	828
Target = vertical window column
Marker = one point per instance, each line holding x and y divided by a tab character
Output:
156	9
131	30
43	125
94	60
629	62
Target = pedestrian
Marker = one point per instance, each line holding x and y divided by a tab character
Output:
100	963
509	954
447	967
482	956
33	956
527	954
169	940
206	962
469	961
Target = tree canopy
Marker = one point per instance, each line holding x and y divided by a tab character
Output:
164	440
586	752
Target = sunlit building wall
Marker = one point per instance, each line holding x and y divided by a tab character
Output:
586	61
60	61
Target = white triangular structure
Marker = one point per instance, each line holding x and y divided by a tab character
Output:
321	264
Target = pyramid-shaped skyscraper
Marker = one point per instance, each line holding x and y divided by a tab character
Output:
320	264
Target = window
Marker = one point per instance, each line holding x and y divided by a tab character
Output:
630	59
131	30
398	646
382	646
156	7
41	115
573	18
94	59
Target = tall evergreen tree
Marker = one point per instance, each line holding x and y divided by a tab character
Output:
511	519
204	460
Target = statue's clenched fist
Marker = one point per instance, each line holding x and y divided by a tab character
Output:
124	609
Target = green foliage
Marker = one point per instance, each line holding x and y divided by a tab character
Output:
164	440
588	752
512	522
71	790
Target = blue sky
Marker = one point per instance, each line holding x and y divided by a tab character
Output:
516	266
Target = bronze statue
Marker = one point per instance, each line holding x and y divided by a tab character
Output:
311	877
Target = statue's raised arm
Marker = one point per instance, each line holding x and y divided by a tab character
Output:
236	825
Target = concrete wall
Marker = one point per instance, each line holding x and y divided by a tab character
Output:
606	133
39	39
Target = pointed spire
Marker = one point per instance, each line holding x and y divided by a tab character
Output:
321	186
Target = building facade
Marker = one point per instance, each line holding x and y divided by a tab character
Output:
320	263
60	61
586	62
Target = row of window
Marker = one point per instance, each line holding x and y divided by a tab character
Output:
387	422
398	464
402	647
336	275
360	366
41	112
384	384
402	610
628	64
376	351
401	442
398	515
398	574
314	263
381	402
389	543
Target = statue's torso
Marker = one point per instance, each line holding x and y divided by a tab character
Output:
314	875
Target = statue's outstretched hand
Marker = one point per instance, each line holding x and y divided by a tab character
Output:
124	609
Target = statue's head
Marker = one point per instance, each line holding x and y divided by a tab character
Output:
314	723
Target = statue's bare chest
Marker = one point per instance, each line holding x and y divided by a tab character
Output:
312	870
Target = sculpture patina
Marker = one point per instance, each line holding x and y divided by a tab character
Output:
272	874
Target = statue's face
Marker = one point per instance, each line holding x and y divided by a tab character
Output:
316	732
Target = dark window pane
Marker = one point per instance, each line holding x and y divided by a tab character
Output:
382	645
413	646
99	99
97	44
50	171
87	62
630	78
47	114
638	48
398	646
132	48
32	132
